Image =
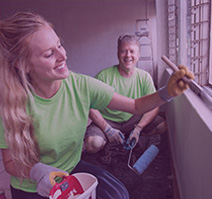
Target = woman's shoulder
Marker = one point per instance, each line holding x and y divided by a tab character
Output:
78	79
107	70
73	76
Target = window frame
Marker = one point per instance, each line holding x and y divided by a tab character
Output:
210	51
199	24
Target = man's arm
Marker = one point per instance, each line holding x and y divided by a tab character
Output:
112	134
144	121
147	118
97	118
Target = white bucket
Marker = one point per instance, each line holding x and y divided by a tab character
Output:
88	183
75	186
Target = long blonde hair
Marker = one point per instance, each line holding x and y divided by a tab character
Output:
15	87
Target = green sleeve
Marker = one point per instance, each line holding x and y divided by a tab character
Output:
101	94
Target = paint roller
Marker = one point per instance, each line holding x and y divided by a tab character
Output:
144	160
192	84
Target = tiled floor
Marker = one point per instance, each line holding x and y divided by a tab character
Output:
4	180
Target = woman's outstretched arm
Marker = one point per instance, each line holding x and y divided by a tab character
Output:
174	87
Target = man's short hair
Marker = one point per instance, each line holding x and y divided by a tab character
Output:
128	38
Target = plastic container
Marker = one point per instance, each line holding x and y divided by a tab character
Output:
88	183
75	186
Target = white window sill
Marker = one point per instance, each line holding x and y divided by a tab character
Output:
203	112
200	107
208	89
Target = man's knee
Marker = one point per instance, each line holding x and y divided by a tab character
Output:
94	143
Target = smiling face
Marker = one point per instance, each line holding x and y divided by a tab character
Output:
128	55
48	58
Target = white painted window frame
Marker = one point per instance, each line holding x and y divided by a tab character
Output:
210	51
199	32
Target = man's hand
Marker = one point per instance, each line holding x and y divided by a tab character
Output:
135	134
133	138
114	135
44	175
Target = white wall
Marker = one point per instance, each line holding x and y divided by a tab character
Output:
162	38
190	133
89	28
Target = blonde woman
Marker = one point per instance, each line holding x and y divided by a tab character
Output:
44	109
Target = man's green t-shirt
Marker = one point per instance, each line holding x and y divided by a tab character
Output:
138	85
62	122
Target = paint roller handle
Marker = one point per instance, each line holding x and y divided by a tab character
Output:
190	82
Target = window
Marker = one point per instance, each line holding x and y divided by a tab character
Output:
189	25
210	52
199	39
173	30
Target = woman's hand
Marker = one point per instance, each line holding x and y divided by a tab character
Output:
176	85
44	175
